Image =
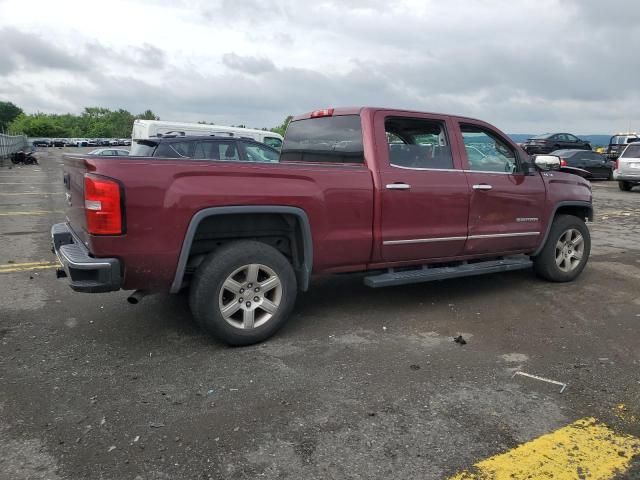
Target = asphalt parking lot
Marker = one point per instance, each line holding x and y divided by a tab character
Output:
360	384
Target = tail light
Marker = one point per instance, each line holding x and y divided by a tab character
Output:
563	162
103	205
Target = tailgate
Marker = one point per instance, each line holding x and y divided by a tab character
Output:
74	168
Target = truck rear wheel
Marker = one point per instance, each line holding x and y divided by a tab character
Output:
243	293
566	251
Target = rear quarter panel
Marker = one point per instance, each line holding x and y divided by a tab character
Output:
163	195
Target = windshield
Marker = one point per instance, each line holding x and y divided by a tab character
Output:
324	139
632	151
142	148
542	137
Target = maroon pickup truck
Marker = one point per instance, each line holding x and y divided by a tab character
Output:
406	196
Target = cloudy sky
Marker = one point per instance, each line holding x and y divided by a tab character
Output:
527	66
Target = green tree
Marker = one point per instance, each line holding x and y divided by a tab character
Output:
283	127
8	113
147	115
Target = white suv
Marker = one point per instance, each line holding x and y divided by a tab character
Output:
627	171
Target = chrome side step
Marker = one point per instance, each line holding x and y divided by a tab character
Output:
429	274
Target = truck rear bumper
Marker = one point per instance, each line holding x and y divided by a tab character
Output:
86	274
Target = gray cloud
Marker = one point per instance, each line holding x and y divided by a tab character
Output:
526	66
25	50
251	65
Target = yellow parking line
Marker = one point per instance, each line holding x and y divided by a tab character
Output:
583	449
34	212
34	193
26	267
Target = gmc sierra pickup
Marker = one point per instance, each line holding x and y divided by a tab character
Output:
406	196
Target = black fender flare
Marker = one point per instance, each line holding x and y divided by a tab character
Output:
571	203
303	275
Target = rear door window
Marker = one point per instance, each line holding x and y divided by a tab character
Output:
324	140
418	143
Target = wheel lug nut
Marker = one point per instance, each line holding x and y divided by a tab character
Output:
256	299
257	289
242	290
250	285
240	300
248	304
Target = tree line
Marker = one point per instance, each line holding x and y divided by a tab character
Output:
93	122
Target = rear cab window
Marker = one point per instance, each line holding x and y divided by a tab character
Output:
327	139
142	148
632	151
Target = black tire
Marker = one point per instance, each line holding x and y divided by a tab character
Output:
205	291
625	186
545	264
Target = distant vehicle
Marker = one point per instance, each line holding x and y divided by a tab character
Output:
627	171
618	142
554	141
93	142
104	142
126	142
144	129
41	142
110	152
206	148
58	142
114	142
599	166
81	142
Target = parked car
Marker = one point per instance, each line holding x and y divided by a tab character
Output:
554	141
617	143
114	142
58	142
598	165
627	171
205	148
109	152
41	142
246	236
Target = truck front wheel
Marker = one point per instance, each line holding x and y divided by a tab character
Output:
243	292
566	251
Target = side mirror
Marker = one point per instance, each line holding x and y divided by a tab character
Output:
547	162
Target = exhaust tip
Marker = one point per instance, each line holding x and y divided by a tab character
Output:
136	296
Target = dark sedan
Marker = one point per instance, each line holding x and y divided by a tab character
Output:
554	141
598	165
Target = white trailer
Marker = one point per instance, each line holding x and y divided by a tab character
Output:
145	129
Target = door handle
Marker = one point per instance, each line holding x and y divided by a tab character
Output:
398	186
482	186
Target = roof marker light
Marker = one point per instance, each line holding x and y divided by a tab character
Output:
325	112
